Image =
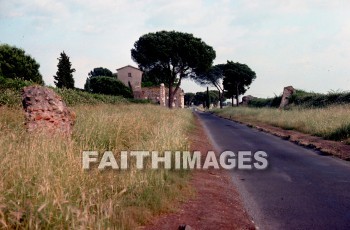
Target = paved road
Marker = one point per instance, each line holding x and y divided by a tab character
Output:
301	189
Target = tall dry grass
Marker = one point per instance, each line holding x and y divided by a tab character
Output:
43	185
330	122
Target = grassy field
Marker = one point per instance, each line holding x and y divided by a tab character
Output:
43	185
331	122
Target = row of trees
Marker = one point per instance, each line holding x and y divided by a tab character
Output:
170	57
16	64
100	80
231	79
164	57
203	98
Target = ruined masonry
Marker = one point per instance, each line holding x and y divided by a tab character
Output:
287	94
132	77
162	95
46	112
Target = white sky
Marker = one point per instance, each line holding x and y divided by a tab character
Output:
304	43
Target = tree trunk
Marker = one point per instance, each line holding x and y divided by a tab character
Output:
220	99
232	101
237	96
171	96
208	99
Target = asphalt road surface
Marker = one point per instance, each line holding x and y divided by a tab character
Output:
300	189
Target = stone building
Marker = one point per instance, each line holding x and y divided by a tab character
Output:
132	77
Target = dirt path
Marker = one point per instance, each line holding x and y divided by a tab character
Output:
216	204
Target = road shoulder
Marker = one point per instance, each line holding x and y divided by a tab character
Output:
216	204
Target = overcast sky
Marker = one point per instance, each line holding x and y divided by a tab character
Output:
303	43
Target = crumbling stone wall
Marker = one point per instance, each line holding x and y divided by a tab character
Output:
246	100
287	94
160	95
45	111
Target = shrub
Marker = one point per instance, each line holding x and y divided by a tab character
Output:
73	97
109	86
305	99
265	102
341	133
16	64
11	98
15	84
10	91
140	101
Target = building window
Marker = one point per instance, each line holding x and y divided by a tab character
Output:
129	74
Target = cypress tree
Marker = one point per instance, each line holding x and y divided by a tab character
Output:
64	75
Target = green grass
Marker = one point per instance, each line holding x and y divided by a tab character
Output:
43	186
11	97
73	97
331	122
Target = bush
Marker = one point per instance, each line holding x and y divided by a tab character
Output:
16	64
305	99
140	101
266	102
109	86
74	97
9	97
10	94
15	84
341	133
148	84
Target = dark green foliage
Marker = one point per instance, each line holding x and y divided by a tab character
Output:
10	95
147	84
16	84
201	98
169	56
213	77
140	101
208	101
237	78
153	77
100	71
97	72
339	134
109	86
305	99
189	98
16	64
10	91
64	75
74	97
266	102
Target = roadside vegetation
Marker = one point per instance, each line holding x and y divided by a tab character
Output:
43	185
332	122
10	95
305	99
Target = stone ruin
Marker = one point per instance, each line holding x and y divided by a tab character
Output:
160	95
287	94
162	101
46	112
246	100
